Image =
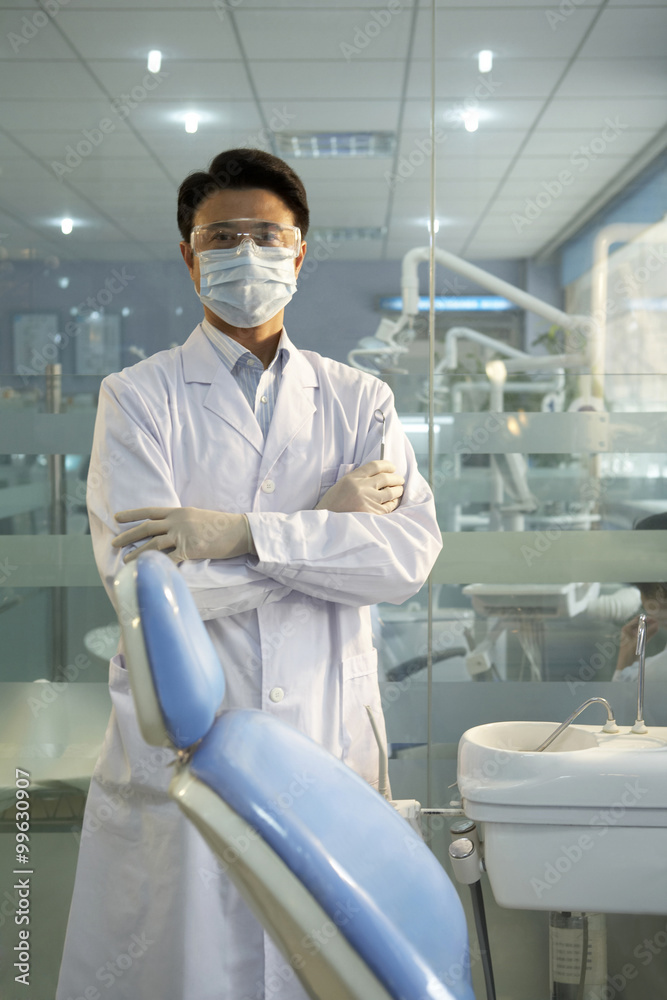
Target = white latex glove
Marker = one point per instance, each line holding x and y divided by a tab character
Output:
186	533
373	488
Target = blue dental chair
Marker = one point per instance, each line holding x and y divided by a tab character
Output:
304	838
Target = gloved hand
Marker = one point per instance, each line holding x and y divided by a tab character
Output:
186	533
373	488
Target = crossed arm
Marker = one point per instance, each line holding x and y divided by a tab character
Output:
191	533
336	552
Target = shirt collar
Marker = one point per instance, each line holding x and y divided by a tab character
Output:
233	355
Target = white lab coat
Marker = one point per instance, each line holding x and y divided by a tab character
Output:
176	430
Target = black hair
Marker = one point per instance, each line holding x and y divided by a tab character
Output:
654	522
237	169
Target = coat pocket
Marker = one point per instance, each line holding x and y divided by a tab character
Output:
359	688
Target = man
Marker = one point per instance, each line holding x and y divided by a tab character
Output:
254	466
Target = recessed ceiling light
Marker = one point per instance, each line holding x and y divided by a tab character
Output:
154	61
125	311
191	122
470	121
63	282
485	61
66	226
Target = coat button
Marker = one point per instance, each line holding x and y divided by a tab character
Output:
276	694
268	486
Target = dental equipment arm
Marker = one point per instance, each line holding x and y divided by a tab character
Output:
410	287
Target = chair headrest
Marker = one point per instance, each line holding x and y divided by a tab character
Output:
177	681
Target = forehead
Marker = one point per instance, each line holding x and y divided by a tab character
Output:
246	203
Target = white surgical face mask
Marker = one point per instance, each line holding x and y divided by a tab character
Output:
248	288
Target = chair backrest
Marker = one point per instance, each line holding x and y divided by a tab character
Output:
176	678
362	862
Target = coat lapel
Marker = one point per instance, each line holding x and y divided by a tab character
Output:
201	363
294	406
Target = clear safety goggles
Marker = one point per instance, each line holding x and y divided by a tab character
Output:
239	235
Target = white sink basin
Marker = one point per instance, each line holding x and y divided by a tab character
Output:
579	826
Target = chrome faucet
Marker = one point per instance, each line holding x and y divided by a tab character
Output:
609	726
640	650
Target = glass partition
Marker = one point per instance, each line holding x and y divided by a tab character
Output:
545	429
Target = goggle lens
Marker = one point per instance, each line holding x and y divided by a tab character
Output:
229	234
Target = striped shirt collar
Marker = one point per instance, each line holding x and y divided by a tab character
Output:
234	355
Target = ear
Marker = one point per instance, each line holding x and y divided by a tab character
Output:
188	256
299	260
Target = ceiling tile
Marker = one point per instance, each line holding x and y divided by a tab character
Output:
333	115
48	81
568	143
462	32
460	79
333	33
485	141
604	114
65	116
25	36
52	146
366	212
320	79
103	169
627	32
618	77
132	33
179	79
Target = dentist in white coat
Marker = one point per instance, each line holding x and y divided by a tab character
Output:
254	465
